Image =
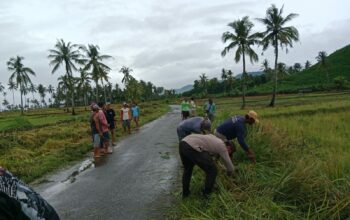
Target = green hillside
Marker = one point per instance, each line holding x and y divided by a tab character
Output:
314	78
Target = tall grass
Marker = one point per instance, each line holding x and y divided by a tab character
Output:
302	170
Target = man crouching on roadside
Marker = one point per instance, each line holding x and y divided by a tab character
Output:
197	149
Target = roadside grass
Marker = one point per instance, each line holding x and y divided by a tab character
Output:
302	170
41	143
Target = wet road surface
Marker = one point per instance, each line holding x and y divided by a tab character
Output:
134	182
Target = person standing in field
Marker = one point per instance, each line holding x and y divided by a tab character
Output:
110	115
105	139
185	109
193	108
125	117
135	110
197	149
210	109
96	130
235	127
195	125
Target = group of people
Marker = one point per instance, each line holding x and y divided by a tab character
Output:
197	145
189	109
103	125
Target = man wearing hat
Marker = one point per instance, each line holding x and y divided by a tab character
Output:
234	127
195	125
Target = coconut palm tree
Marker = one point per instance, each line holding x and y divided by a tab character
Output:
20	75
127	76
84	83
203	82
63	88
307	65
277	35
68	55
50	90
93	61
42	90
242	39
230	80
12	86
224	78
32	89
2	88
323	62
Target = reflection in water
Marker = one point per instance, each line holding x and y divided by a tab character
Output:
101	161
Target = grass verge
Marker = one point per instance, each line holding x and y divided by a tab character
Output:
302	170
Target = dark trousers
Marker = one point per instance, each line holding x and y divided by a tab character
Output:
191	157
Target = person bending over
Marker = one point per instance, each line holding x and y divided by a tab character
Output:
195	125
197	149
235	127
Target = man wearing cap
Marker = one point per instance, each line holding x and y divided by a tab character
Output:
235	128
197	149
195	125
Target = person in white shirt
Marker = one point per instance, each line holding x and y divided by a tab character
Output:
125	117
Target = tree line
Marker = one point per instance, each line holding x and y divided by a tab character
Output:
277	35
90	64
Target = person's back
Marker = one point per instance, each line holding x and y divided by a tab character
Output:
110	114
188	126
103	121
232	127
135	111
192	124
185	106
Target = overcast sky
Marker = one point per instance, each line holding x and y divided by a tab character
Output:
169	43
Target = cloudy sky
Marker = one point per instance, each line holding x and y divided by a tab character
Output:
169	43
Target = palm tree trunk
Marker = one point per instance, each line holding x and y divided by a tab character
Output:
85	102
13	98
243	82
73	104
272	103
97	99
22	112
104	92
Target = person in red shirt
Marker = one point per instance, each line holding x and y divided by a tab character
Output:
105	129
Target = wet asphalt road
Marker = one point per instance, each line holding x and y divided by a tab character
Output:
134	182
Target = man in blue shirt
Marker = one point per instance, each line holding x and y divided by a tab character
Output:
235	128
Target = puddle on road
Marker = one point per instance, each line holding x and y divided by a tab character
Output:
165	155
62	184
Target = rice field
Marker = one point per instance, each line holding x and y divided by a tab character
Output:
303	163
45	140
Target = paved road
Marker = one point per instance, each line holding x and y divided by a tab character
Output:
133	183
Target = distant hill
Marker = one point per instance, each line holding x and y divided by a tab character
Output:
256	73
314	78
184	89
